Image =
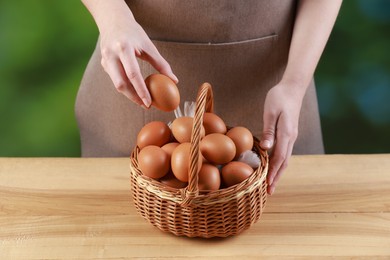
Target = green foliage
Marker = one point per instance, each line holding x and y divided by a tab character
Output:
45	46
353	80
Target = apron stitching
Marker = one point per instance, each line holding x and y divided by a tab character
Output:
213	46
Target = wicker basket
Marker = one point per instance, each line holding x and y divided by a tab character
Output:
193	213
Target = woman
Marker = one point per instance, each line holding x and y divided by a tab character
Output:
259	57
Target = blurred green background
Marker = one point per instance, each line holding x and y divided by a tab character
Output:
45	46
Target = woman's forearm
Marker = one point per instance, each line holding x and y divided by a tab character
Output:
313	24
106	12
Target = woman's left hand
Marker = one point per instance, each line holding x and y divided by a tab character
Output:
280	128
313	24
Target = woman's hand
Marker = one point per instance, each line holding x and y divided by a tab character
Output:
122	40
312	27
280	129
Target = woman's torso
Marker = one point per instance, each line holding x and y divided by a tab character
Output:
240	47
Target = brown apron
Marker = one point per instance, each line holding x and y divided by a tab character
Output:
240	47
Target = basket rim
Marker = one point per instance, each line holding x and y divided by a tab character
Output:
203	197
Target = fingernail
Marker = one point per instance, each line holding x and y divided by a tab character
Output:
271	180
272	190
175	78
266	144
146	102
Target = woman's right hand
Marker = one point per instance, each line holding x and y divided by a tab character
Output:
122	41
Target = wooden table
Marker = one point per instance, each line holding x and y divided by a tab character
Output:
59	208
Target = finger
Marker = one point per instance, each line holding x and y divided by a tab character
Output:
117	74
270	121
134	75
284	164
277	159
280	152
153	56
271	189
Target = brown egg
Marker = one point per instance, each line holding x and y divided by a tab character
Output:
153	161
182	129
154	133
218	148
213	124
180	161
164	92
169	147
242	138
209	177
235	172
171	181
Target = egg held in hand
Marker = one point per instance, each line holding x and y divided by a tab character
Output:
235	172
164	92
154	133
153	162
242	138
217	148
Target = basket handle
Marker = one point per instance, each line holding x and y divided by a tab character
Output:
204	103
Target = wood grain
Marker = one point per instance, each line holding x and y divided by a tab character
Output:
66	208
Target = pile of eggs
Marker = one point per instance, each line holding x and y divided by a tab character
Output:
164	153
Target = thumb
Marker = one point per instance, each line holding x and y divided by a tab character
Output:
269	131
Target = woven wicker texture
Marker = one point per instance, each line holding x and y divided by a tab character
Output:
193	213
